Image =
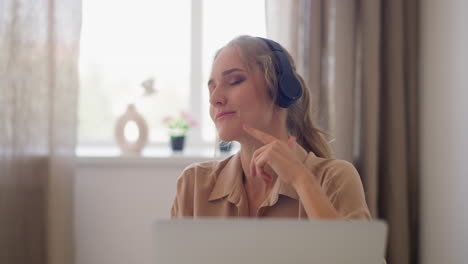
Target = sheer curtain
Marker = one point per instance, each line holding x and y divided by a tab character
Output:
38	93
359	58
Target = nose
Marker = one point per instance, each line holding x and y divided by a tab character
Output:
217	98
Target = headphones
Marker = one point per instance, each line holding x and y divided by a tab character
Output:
289	87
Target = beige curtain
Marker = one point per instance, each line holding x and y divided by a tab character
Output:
38	98
359	57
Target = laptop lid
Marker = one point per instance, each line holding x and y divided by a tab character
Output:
209	241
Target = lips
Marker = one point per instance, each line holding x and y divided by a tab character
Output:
225	114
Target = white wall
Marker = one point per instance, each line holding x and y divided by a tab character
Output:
444	132
116	201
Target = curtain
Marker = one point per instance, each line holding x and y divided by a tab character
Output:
38	115
359	58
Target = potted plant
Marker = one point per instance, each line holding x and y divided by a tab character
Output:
178	128
225	147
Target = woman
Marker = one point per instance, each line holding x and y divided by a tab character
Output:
284	167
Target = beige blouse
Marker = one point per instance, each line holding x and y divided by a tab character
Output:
216	189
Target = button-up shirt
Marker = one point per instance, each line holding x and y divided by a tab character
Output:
216	189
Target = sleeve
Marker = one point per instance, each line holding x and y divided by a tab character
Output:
345	191
183	201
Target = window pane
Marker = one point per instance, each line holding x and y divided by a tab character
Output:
123	43
224	20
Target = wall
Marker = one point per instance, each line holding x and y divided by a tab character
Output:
116	201
444	132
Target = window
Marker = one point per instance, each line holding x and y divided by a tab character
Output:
222	21
123	43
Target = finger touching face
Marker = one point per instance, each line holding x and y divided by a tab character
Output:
263	137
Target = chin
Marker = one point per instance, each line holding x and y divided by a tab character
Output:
228	134
225	137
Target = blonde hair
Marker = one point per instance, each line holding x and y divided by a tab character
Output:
255	52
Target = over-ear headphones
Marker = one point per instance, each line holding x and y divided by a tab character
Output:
289	87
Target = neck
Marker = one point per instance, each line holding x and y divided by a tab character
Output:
256	185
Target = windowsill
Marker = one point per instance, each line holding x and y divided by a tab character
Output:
104	156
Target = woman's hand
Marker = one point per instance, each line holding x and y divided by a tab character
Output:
282	158
278	156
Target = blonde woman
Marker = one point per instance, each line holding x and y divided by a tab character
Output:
284	167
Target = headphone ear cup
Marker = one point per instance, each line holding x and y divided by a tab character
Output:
289	90
289	87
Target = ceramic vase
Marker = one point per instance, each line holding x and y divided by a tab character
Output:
126	146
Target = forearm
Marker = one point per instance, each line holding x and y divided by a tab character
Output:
313	198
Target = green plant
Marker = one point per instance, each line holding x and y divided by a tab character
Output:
179	126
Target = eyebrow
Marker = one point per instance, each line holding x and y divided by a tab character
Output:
226	72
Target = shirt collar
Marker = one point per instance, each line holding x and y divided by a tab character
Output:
229	181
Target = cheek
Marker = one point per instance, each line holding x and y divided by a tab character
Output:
212	112
251	103
247	98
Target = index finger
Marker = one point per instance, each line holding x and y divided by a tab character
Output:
265	138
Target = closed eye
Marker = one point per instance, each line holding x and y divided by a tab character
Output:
236	82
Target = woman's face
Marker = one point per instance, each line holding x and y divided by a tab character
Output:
237	96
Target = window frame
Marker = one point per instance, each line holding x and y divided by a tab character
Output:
195	140
195	107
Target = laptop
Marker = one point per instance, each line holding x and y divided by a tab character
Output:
268	241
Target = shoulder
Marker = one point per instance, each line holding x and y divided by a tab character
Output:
202	172
328	165
194	186
332	172
342	184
